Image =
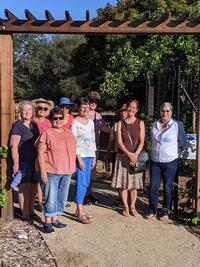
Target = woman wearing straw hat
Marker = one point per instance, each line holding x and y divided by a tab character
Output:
42	109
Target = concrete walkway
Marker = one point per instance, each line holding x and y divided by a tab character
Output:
113	240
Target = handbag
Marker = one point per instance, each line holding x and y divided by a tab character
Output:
141	164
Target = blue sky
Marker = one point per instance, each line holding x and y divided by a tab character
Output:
76	8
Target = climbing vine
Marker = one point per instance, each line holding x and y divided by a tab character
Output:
3	197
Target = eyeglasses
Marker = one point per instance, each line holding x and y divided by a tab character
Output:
163	111
60	118
42	108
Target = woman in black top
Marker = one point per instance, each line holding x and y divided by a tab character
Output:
24	132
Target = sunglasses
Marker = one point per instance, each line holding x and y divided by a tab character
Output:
60	118
165	111
64	106
42	108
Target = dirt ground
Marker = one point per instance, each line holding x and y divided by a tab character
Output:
112	240
115	240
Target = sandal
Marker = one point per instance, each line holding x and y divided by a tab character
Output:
83	219
85	214
133	212
150	216
125	212
164	218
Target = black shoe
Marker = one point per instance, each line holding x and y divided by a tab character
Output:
59	224
48	229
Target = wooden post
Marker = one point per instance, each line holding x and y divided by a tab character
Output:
6	110
197	184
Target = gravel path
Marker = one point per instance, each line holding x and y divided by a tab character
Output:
114	240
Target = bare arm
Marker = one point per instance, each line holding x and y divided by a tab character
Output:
142	137
14	143
121	145
80	162
41	161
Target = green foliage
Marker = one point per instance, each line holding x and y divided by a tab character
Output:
3	198
134	56
42	66
3	151
195	220
3	195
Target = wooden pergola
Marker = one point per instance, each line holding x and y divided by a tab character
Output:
164	25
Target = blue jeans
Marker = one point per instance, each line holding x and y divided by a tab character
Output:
83	180
168	172
55	194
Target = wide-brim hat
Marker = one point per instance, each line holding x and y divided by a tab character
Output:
42	100
64	101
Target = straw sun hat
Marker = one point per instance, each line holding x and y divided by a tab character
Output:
49	103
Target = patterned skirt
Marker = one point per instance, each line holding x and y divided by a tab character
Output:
124	175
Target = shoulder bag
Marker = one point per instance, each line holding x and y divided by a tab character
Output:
141	164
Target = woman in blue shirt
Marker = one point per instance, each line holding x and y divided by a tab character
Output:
168	139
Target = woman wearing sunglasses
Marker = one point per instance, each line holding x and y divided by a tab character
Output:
57	161
65	106
168	140
42	109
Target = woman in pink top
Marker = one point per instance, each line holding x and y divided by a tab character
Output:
57	161
65	106
42	109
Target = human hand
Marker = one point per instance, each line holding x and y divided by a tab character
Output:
81	164
44	178
133	158
15	168
93	162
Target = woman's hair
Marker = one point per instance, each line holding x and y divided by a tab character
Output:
20	108
133	101
166	104
54	111
82	101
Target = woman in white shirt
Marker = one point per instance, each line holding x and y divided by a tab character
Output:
168	139
83	129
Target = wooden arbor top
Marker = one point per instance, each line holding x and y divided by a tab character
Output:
163	25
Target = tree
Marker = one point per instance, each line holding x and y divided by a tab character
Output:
135	55
43	67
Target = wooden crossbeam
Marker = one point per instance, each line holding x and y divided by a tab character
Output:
49	15
29	15
67	15
141	20
10	15
162	25
87	15
155	23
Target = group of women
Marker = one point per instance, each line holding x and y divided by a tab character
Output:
168	139
50	150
